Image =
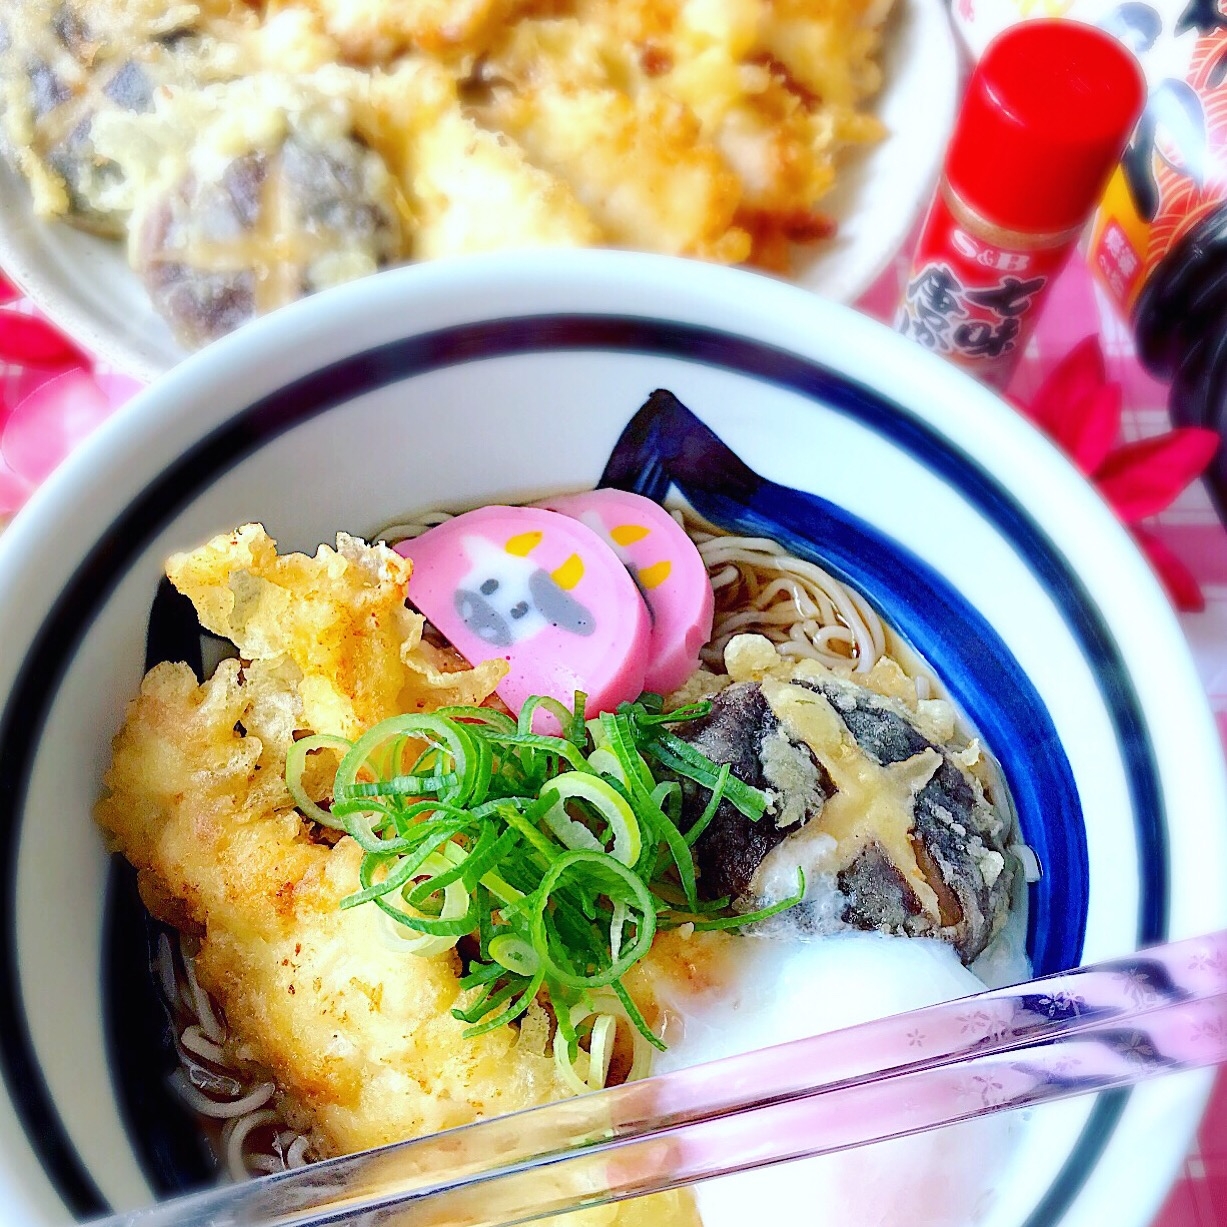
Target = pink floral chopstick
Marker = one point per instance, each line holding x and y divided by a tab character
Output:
1098	1027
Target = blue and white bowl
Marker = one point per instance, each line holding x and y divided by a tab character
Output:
504	379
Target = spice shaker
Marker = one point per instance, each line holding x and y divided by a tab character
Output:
1048	111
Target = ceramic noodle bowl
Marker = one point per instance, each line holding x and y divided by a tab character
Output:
523	378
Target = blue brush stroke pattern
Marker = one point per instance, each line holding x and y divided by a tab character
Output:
666	445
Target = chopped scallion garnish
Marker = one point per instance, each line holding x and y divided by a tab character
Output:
558	854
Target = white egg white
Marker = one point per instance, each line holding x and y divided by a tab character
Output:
785	988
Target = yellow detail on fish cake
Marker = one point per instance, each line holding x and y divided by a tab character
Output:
628	534
656	574
569	573
523	544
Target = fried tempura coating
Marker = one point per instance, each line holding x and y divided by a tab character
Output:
357	1034
206	131
638	164
65	65
375	31
769	91
335	626
471	189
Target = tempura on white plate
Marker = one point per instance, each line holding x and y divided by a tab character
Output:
705	128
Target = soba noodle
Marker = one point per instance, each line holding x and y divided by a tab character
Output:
760	588
212	1086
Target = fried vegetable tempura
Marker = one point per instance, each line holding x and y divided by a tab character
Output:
708	128
331	633
358	1035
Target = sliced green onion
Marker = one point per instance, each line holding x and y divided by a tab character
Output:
539	741
534	837
570	1037
749	918
296	764
541	702
560	861
456	909
503	891
490	998
618	880
463	746
600	1050
513	1011
619	739
674	899
468	866
637	1019
585	1071
364	820
479	715
608	803
577	733
481	975
665	829
515	954
605	762
668	796
353	813
403	786
408	867
617	920
478	863
692	711
717	795
682	757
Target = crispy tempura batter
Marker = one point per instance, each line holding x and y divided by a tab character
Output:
334	629
710	128
471	189
706	127
359	1036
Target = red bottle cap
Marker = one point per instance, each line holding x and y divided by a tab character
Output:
1046	117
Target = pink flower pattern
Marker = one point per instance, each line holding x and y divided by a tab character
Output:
1080	410
54	397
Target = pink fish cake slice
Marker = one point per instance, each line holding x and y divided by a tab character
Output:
541	590
667	568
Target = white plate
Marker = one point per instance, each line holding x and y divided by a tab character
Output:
84	283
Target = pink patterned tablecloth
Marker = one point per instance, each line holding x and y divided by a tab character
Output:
39	423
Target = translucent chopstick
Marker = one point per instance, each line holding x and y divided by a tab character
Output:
1096	1028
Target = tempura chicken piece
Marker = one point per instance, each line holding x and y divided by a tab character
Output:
357	1034
376	32
639	165
470	189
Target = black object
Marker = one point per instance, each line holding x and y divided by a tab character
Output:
1180	322
165	1134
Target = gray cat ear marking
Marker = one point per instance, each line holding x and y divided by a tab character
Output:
559	607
